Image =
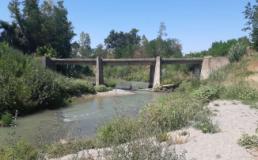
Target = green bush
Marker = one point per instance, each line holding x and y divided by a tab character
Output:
249	141
188	86
6	119
207	93
20	151
26	86
236	52
172	112
75	87
102	88
241	91
207	126
46	51
110	83
117	131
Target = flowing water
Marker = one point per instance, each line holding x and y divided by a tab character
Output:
77	120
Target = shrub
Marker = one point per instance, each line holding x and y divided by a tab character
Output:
249	141
110	83
20	151
27	86
75	87
207	93
207	126
172	112
59	150
102	88
117	131
236	52
46	51
145	150
241	91
6	119
188	86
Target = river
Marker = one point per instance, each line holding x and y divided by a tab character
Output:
76	120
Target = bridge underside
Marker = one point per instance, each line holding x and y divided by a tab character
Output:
155	65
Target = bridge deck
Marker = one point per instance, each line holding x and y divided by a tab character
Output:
129	61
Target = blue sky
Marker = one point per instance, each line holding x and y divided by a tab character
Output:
196	23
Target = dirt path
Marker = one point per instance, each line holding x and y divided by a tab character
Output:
234	119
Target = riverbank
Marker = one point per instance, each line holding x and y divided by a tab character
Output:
233	119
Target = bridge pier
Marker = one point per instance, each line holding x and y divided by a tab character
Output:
99	71
151	75
157	73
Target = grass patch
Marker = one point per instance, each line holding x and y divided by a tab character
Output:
118	131
241	91
206	93
6	119
59	150
19	151
207	126
248	141
145	149
102	88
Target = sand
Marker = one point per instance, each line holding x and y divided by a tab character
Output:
234	119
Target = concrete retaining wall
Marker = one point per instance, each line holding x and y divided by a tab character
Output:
211	64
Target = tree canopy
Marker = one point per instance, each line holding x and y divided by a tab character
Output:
251	14
35	26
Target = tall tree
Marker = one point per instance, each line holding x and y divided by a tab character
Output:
162	46
100	51
85	42
38	26
162	31
123	44
251	14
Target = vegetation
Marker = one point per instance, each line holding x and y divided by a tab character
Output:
143	150
170	113
117	131
30	26
26	86
102	88
249	141
19	151
128	73
207	93
58	150
222	48
206	125
236	52
6	119
241	91
251	24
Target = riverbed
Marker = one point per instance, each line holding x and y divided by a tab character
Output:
79	120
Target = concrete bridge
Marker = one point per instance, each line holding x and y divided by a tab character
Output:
202	65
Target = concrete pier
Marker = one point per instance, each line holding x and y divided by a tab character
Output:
99	71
